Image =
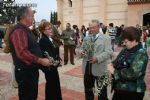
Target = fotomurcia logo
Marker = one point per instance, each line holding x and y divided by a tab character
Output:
12	3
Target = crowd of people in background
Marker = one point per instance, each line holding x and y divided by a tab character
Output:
80	33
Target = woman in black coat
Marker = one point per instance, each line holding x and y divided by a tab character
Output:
52	88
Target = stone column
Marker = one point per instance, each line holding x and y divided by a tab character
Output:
80	12
60	11
102	10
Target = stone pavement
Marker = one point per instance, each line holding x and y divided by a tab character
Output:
71	79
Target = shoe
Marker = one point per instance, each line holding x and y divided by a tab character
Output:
73	63
65	63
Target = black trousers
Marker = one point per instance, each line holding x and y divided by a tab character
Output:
52	87
124	95
89	81
27	80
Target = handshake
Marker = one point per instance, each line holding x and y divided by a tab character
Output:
44	62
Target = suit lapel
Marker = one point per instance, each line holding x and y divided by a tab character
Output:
50	42
99	38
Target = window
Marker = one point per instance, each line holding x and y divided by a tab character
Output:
70	3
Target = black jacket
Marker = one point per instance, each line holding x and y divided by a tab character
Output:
47	45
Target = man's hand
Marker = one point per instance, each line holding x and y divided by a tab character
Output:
44	62
80	41
83	53
71	38
93	60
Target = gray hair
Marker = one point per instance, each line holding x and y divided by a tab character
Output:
94	21
22	12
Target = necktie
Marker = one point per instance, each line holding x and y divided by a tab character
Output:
94	37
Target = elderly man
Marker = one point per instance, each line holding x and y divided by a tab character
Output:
26	54
96	52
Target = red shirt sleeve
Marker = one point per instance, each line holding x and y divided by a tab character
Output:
20	43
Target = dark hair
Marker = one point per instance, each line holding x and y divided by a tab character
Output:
131	33
69	24
122	25
22	11
100	24
58	22
74	26
83	29
111	24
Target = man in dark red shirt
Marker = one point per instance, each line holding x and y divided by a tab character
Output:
26	54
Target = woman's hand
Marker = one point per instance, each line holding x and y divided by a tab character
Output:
110	68
93	60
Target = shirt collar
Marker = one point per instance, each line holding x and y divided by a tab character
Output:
50	39
97	35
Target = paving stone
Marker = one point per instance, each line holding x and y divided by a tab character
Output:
71	79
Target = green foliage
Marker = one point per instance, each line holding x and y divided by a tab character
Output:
53	18
7	12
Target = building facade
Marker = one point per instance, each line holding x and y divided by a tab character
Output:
80	12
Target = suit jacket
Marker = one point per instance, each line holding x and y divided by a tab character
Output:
102	51
47	45
66	35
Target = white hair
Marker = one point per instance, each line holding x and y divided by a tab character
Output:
94	21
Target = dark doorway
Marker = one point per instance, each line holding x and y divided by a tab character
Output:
146	19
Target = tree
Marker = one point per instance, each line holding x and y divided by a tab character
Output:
53	17
7	12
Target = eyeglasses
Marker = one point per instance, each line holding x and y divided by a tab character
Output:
49	29
125	41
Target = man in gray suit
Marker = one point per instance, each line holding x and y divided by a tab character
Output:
97	53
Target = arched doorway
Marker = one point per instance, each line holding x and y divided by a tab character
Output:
146	19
